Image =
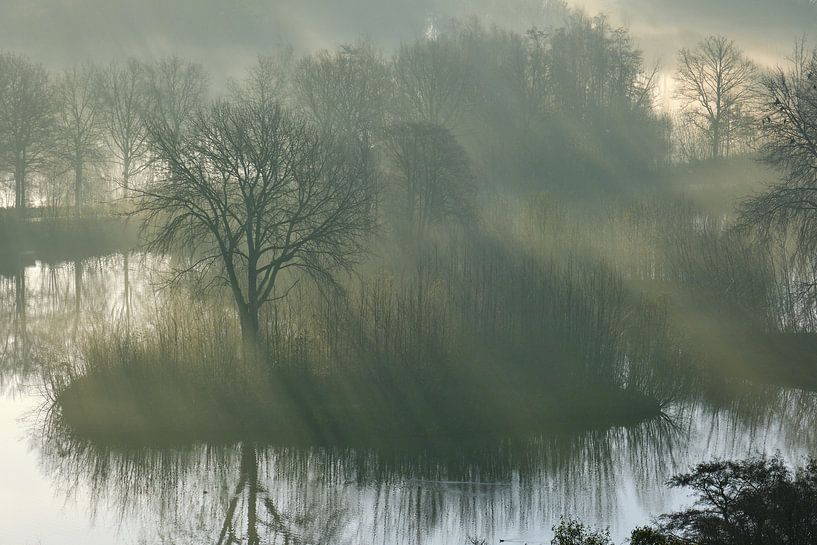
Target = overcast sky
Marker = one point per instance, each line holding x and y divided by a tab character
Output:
227	34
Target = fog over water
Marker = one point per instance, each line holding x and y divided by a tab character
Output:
429	272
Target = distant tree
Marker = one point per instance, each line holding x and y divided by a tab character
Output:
269	81
435	178
535	73
56	189
716	82
433	82
174	89
690	144
79	127
345	92
123	101
251	192
26	120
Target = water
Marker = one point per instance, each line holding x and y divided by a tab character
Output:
56	489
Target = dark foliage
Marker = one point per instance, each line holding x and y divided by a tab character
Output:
757	501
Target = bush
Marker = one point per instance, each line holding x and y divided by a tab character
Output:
572	532
651	536
757	501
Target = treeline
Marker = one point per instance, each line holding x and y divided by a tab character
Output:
546	106
70	138
569	106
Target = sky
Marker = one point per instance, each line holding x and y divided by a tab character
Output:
226	35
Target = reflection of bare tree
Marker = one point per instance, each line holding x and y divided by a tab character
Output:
257	494
19	361
265	520
182	494
252	494
77	295
45	307
15	347
126	288
20	322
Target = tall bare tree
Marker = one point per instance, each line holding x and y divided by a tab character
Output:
175	88
715	81
269	81
79	125
253	192
26	120
122	98
434	174
346	91
433	81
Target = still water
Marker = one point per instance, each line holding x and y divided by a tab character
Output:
57	491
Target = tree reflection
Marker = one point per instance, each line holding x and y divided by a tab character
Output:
254	490
253	493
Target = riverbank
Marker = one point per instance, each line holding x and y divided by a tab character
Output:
54	238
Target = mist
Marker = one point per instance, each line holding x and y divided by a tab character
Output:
440	272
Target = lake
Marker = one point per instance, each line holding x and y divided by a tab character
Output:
56	489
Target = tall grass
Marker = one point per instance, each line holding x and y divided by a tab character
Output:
539	312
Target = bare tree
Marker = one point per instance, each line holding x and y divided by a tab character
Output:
252	192
433	82
789	127
715	80
269	81
174	90
434	174
345	92
122	96
26	119
79	125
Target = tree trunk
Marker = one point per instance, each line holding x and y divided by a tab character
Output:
78	186
249	328
249	322
77	293
20	310
716	139
19	183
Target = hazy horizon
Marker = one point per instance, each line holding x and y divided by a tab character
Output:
227	35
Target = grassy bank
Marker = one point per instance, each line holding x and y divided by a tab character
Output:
55	238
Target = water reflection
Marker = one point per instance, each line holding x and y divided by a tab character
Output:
46	305
253	493
249	493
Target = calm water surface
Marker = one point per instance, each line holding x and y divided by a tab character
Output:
54	491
